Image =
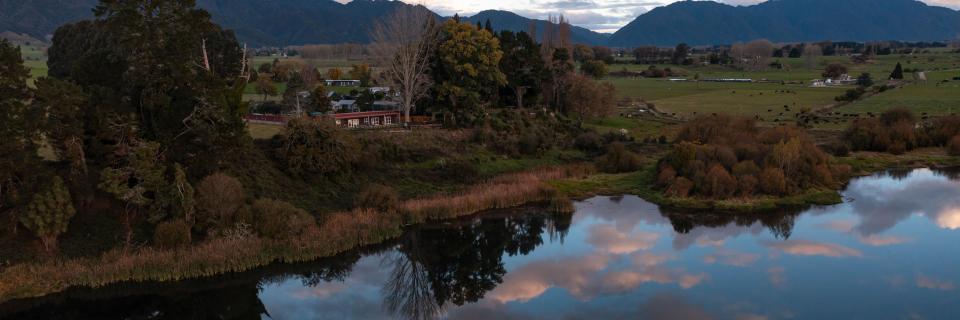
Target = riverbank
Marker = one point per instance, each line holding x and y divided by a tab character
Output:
344	231
241	251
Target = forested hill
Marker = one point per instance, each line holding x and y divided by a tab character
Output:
257	22
294	22
506	20
705	23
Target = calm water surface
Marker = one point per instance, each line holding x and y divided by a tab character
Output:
889	252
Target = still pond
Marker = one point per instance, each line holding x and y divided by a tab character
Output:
890	251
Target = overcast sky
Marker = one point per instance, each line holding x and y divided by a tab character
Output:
597	15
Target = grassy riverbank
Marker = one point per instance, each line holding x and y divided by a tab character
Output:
344	231
243	251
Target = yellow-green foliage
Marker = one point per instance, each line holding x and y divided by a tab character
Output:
48	214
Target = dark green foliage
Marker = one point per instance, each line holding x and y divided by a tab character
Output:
619	159
172	234
276	219
515	133
48	214
523	65
865	80
897	73
380	197
316	146
851	95
589	141
19	164
594	68
834	70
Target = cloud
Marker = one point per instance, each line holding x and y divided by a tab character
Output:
667	306
597	15
879	241
810	248
934	284
883	202
775	274
586	277
731	258
607	238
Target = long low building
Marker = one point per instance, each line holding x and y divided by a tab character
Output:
371	119
351	120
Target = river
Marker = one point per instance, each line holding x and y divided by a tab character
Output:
890	251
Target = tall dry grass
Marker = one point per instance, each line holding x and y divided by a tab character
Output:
336	233
503	192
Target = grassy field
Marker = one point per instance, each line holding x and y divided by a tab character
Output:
771	101
933	97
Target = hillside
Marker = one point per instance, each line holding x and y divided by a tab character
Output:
705	23
257	22
505	20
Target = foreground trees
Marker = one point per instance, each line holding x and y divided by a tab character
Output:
49	213
897	131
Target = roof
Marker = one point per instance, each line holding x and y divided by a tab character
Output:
353	115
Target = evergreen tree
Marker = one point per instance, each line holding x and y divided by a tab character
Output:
523	66
49	213
468	67
19	163
319	101
488	26
897	73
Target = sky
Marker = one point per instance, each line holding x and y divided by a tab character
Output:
596	15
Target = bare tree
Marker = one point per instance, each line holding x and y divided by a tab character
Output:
759	53
402	45
811	55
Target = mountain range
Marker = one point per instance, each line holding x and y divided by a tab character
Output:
296	22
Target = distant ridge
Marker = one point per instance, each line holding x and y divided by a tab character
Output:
296	22
708	23
506	20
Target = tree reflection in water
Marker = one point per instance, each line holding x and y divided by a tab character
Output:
439	264
780	222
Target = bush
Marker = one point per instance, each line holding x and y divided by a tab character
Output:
773	182
618	159
172	234
308	146
589	141
380	197
719	183
219	197
276	219
897	148
747	185
680	188
953	148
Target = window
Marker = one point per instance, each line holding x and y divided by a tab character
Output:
376	121
366	121
353	123
388	120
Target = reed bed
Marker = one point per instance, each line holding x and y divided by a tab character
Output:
336	233
503	192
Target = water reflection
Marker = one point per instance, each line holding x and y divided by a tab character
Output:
888	252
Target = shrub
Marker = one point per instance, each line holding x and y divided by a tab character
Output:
380	197
666	176
719	183
897	148
953	148
172	234
746	168
773	181
48	214
747	185
589	141
219	197
680	188
618	159
308	146
279	220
